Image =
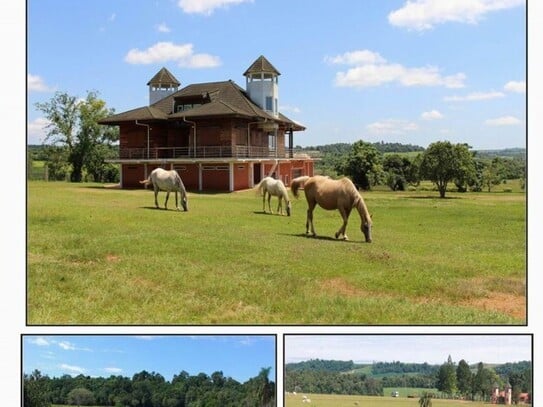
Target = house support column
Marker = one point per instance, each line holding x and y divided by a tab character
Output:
251	175
290	144
200	177
231	177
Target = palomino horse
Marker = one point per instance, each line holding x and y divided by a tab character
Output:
333	194
272	186
168	181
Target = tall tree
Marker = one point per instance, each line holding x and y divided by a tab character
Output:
363	164
73	124
34	390
443	162
446	377
464	377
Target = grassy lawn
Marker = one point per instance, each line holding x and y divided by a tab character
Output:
327	400
100	255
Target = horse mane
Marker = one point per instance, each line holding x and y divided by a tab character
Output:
358	201
298	183
179	182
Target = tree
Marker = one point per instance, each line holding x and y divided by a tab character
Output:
363	165
425	400
446	377
493	173
74	126
443	162
81	397
464	377
398	170
34	391
484	380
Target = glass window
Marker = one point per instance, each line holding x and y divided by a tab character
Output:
269	103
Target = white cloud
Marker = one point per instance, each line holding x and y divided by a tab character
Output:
163	28
66	345
70	346
431	115
371	69
360	57
36	84
36	130
422	15
183	54
475	96
39	341
287	108
206	7
515	86
503	121
113	370
72	369
391	126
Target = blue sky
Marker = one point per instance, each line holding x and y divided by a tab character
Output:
397	71
433	349
237	356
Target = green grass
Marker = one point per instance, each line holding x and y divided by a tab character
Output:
327	400
105	256
408	391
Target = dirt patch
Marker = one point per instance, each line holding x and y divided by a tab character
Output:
513	305
111	258
338	286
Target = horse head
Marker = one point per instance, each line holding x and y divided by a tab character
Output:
185	202
366	229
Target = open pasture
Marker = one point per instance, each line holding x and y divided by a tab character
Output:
329	400
98	255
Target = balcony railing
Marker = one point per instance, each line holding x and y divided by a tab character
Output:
203	152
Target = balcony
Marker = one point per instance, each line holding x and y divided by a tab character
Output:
135	153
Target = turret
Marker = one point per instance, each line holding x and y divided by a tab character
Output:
161	85
262	85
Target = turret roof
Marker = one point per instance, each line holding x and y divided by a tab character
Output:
261	65
164	77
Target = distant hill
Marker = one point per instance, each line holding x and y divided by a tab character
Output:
380	369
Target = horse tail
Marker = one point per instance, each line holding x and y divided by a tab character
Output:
146	181
298	183
260	187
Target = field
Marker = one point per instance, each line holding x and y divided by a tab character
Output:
326	400
99	255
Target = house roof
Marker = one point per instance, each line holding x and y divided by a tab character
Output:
219	99
261	65
164	77
148	113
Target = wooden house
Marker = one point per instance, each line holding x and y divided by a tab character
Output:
217	135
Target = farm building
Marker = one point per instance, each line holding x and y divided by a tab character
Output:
217	135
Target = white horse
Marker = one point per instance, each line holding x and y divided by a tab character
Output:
168	181
272	186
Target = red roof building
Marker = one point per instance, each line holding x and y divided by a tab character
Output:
217	135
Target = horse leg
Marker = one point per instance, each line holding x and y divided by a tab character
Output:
156	197
166	202
269	202
309	221
176	201
280	205
345	215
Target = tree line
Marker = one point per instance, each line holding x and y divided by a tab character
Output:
76	147
459	379
149	389
454	380
442	162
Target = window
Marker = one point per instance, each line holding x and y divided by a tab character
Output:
269	103
271	141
